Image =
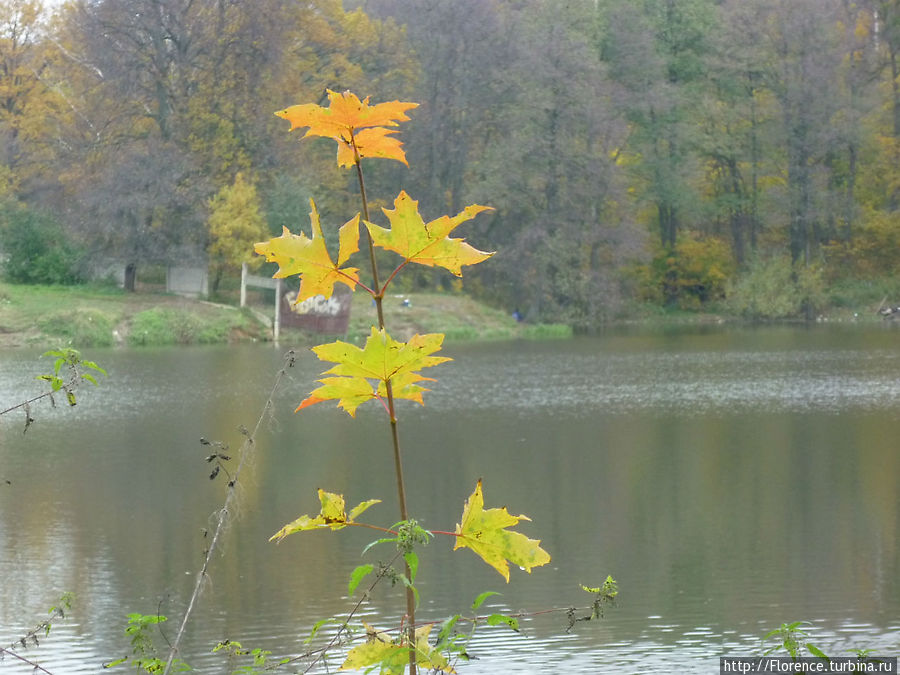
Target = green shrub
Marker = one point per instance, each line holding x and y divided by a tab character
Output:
159	326
85	327
36	248
545	331
171	326
864	294
773	288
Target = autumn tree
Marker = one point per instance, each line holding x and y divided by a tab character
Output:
559	212
803	79
170	98
235	224
736	123
28	100
655	52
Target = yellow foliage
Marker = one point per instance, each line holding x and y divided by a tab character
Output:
235	223
874	249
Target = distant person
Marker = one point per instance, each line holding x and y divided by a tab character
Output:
517	315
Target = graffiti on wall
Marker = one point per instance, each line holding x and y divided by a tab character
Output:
318	314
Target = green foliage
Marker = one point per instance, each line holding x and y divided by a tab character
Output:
286	204
170	326
69	370
36	248
32	637
774	289
604	596
85	327
161	326
259	659
144	656
791	638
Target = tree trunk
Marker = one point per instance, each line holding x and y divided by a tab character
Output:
130	277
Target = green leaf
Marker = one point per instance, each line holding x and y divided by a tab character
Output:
497	619
117	662
481	598
815	651
413	561
93	366
56	383
358	575
384	540
446	629
359	508
406	582
318	625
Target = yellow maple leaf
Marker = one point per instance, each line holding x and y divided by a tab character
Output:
383	360
392	657
428	244
486	533
308	257
358	128
331	515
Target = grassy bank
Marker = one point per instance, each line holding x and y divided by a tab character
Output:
101	316
458	317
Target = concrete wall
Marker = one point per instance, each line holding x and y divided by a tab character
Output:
189	281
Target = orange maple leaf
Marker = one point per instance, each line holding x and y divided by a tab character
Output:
298	254
359	128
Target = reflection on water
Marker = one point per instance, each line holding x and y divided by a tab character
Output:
729	480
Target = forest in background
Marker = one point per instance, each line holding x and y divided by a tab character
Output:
678	153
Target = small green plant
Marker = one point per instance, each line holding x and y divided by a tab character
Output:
791	637
33	637
259	659
144	656
68	372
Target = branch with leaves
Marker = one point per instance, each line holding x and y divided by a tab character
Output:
69	371
34	636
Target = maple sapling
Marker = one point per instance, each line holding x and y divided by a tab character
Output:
385	370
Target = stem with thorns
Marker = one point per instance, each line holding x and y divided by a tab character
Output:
35	667
223	513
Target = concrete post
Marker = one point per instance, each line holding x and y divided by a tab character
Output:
243	284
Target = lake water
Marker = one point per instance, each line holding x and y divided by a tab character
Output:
730	480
